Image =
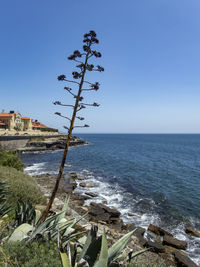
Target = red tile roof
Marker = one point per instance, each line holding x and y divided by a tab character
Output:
37	124
25	118
3	114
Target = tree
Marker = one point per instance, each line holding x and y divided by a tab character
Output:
82	58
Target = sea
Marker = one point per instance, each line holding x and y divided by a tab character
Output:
154	176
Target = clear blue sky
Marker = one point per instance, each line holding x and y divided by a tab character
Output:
151	55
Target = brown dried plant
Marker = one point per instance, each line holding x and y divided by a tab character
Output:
82	60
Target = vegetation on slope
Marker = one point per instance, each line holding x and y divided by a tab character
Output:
10	159
20	187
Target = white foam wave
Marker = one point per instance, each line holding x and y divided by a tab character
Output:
38	169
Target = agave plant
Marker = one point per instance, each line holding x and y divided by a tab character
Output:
25	213
28	230
95	252
4	206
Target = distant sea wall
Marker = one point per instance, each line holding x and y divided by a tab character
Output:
16	142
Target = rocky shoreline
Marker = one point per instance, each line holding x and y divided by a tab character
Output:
53	143
163	247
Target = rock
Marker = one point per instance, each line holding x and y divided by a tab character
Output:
103	217
114	233
111	210
70	187
80	178
193	232
84	208
142	241
172	250
100	212
173	242
155	246
139	231
133	214
58	203
95	210
78	199
183	261
129	227
73	175
117	223
87	185
158	230
91	194
138	234
102	222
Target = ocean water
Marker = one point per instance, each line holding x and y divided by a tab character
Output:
156	177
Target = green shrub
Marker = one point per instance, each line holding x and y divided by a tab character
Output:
49	130
36	139
20	187
30	254
10	159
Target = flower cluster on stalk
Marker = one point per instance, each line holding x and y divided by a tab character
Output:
78	77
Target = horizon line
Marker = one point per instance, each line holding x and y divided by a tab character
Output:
132	133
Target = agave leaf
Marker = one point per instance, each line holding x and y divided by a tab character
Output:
79	219
68	231
64	209
21	232
44	226
4	209
137	253
83	240
103	257
93	251
90	237
65	260
37	216
114	251
61	227
71	236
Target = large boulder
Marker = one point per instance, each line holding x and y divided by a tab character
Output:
111	210
158	230
101	213
155	246
183	261
191	231
174	242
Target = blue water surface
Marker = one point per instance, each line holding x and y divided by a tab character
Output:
161	167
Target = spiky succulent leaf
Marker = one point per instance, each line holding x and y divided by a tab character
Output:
64	209
45	226
90	237
21	232
103	257
65	260
137	253
93	251
37	216
115	250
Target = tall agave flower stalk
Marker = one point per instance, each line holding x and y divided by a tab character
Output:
82	60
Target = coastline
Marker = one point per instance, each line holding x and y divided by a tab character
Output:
153	238
90	177
37	143
77	208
